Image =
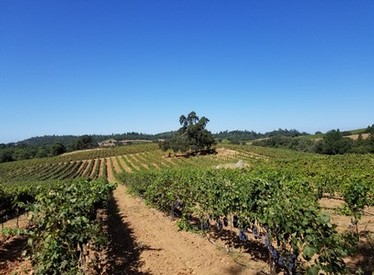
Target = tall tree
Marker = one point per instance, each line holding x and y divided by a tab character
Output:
84	142
191	137
57	149
334	143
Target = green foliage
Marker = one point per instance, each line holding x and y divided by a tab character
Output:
84	142
281	206
15	197
293	143
57	149
370	129
192	136
238	137
65	166
355	194
13	152
64	221
6	156
332	143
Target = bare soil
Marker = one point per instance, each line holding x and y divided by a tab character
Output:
11	260
124	165
110	172
11	248
146	241
159	248
96	162
116	165
332	206
223	153
80	151
355	137
364	256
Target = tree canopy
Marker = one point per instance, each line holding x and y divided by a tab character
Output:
84	142
191	137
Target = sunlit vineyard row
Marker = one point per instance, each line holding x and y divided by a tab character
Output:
22	181
80	165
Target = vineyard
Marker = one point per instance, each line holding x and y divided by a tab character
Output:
290	212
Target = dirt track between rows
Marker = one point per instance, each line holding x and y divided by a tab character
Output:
162	249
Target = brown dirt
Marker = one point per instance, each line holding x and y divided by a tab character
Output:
232	166
140	160
146	241
116	166
11	260
11	248
223	153
170	161
80	170
110	172
364	256
96	162
124	165
355	137
80	151
159	248
101	169
133	162
21	220
332	206
143	159
85	170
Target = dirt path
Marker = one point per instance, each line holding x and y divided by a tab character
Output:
109	169
116	165
162	249
11	247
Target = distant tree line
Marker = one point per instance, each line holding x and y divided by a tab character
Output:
240	137
47	146
332	143
43	141
68	140
54	145
12	151
30	149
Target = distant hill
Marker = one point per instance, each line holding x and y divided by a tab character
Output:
67	140
47	146
236	135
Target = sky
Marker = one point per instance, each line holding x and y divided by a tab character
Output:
102	67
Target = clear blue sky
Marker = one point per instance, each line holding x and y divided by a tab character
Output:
102	67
